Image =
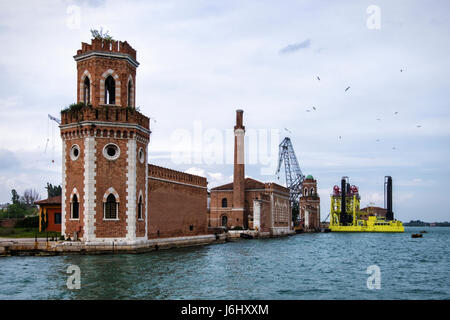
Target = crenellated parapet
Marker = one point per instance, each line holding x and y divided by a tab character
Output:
174	175
79	114
113	46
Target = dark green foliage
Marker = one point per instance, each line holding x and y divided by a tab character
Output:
74	107
28	222
53	191
15	196
16	210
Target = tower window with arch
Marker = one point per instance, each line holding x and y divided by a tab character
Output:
74	208
224	203
86	90
130	94
110	90
111	208
305	192
140	207
312	191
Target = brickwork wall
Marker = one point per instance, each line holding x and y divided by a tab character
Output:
74	180
177	201
310	202
97	68
217	211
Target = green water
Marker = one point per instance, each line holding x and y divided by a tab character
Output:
306	266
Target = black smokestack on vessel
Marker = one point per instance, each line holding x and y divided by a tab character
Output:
343	217
388	197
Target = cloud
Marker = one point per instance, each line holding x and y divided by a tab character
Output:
295	47
273	92
196	171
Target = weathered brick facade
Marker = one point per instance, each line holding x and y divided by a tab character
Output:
177	203
247	203
310	205
110	138
109	190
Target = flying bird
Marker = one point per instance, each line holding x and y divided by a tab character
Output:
288	130
378	140
419	126
318	78
307	110
401	70
378	119
393	148
340	137
347	89
396	112
314	108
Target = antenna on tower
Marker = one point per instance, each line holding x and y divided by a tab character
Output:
58	121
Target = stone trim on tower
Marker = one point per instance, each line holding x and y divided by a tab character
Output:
114	74
130	92
131	188
63	189
83	77
89	187
74	192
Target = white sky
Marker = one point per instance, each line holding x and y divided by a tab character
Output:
202	60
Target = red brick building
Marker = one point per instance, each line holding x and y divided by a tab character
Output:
310	205
50	214
247	203
109	192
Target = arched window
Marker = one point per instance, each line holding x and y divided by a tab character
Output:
110	91
140	208
224	221
111	207
224	203
305	192
75	207
130	87
87	91
312	191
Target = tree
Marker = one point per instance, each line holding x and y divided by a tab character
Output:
15	196
53	191
100	35
29	197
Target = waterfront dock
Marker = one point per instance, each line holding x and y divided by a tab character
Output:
42	247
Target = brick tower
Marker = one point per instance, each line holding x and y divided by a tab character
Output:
310	204
105	141
239	168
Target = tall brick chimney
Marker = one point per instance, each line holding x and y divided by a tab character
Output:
239	173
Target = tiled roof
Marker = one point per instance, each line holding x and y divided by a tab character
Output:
52	200
248	182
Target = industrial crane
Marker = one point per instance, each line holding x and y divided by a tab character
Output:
294	176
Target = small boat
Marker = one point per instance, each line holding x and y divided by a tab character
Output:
416	235
423	231
246	236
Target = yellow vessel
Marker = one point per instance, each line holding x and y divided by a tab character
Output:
348	217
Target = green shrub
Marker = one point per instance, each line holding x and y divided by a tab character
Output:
29	223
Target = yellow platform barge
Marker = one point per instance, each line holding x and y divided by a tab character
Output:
347	218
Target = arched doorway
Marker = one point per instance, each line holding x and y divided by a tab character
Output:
224	221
